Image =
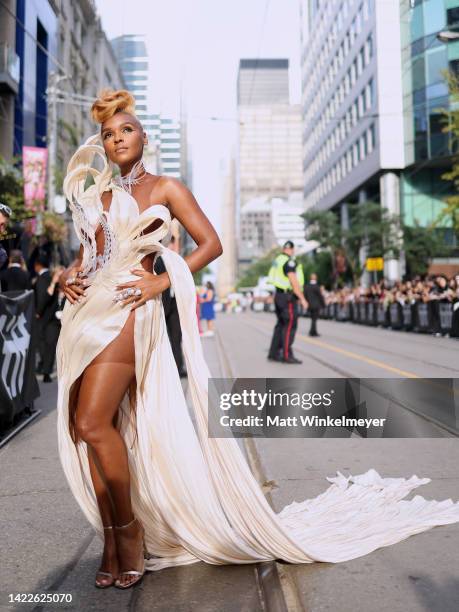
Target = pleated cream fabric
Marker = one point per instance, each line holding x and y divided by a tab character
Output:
196	495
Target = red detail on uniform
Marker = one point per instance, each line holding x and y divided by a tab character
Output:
289	329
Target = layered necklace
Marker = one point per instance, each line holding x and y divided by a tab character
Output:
135	176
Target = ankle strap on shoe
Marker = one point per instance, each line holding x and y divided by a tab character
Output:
127	524
109	527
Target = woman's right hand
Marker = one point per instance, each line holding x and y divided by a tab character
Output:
75	291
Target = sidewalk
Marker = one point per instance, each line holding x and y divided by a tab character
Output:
49	547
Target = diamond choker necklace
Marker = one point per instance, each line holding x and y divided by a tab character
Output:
133	177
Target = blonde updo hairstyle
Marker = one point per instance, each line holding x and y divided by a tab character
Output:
111	101
108	102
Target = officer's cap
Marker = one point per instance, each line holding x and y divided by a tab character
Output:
288	245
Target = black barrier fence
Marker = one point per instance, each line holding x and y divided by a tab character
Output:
431	317
18	383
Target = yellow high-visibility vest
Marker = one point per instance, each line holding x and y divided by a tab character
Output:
278	278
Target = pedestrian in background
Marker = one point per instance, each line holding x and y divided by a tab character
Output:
46	304
316	301
15	277
207	300
5	214
287	276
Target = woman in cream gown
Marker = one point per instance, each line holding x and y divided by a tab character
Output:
194	496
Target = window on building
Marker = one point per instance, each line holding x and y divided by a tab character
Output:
349	160
371	138
360	62
355	154
363	147
358	20
437	61
452	16
366	9
369	43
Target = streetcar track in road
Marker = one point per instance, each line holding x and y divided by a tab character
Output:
356	356
388	352
393	353
450	431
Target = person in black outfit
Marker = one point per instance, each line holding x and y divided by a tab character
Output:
15	277
46	305
174	331
316	301
5	215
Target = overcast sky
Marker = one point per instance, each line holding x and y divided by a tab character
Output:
194	47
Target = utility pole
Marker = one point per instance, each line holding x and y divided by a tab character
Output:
51	93
57	96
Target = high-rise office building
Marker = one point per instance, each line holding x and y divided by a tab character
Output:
425	58
132	56
163	131
269	156
262	81
364	70
171	146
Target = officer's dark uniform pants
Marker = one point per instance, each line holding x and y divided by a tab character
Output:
287	321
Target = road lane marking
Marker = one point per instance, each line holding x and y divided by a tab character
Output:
351	354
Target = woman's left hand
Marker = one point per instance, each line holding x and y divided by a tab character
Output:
149	284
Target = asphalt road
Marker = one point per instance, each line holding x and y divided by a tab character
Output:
419	574
343	349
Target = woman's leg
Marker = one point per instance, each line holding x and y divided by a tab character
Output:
109	561
104	384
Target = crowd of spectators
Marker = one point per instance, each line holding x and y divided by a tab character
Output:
404	292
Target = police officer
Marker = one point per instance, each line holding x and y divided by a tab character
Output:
287	276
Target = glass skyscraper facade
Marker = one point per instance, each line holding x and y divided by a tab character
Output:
428	148
131	53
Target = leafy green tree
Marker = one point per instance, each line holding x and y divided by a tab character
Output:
450	212
12	187
421	245
371	226
258	268
321	263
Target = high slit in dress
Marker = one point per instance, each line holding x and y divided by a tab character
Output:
196	495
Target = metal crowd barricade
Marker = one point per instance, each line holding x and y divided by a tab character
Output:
395	315
343	313
407	317
381	315
445	313
363	312
422	317
432	316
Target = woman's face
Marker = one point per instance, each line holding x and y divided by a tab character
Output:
123	139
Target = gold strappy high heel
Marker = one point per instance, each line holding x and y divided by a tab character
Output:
100	585
142	560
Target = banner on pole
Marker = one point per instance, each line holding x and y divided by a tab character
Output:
34	162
